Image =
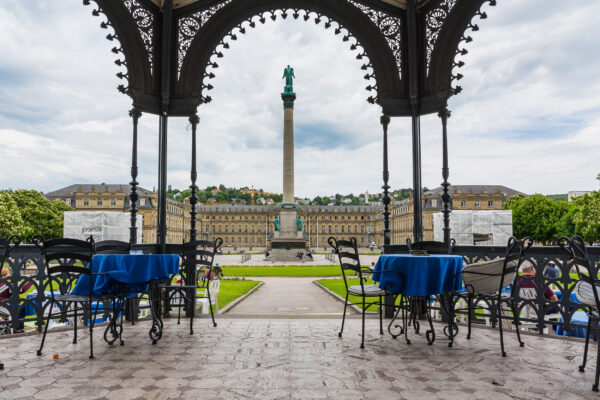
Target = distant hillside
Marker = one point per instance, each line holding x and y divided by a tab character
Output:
557	197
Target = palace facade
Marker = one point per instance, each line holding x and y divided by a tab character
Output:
464	197
243	226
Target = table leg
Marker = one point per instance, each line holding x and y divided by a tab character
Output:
157	325
113	328
447	307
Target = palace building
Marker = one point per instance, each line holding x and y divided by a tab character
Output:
244	226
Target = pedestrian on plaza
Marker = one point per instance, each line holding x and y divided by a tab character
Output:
5	294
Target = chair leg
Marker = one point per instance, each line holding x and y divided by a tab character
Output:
75	325
362	343
595	385
39	352
499	307
470	310
121	342
516	322
344	315
212	315
92	323
380	315
179	308
405	317
587	343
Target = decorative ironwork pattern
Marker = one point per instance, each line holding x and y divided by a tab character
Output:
189	26
462	51
434	20
145	21
296	13
390	27
112	36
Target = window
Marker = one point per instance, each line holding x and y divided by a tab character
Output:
463	203
226	217
323	229
240	228
433	203
476	204
342	229
86	202
329	229
113	202
219	228
491	203
99	202
336	229
226	229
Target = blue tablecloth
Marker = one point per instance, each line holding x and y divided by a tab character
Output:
419	275
573	297
579	317
133	270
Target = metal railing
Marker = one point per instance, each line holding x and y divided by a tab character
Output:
541	257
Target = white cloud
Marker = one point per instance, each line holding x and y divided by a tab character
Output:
527	117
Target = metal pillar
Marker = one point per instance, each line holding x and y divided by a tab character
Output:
417	188
161	232
193	174
446	198
166	55
135	114
385	121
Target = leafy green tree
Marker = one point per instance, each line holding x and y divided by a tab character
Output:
40	215
535	216
587	216
11	222
566	224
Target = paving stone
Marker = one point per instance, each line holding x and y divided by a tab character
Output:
292	359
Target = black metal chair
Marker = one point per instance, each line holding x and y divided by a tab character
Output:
485	281
347	252
587	292
112	247
67	260
431	247
6	245
195	273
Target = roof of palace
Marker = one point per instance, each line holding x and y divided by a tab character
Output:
70	190
477	189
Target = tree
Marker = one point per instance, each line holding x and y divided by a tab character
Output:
587	216
535	216
40	215
11	222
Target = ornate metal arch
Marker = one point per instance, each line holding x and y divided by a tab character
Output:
204	34
411	66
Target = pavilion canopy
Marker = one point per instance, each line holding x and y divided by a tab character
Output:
183	3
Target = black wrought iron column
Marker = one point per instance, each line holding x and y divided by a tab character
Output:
385	121
135	114
166	56
417	188
193	174
444	114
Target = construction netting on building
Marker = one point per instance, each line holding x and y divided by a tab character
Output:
482	227
102	225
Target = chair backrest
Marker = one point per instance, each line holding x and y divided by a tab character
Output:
431	247
488	277
112	247
66	260
6	246
576	250
199	254
347	252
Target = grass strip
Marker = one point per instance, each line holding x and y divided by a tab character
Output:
231	290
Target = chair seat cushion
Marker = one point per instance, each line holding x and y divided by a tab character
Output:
483	278
370	291
585	294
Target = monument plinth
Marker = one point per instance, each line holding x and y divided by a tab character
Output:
288	238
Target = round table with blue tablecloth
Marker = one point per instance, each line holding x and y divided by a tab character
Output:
419	275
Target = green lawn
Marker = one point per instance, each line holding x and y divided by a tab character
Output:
282	270
231	290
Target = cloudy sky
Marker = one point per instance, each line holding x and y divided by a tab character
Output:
528	117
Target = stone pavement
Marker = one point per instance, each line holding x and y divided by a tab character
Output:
291	359
288	296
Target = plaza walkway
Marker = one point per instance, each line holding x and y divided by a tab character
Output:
288	296
262	358
259	259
